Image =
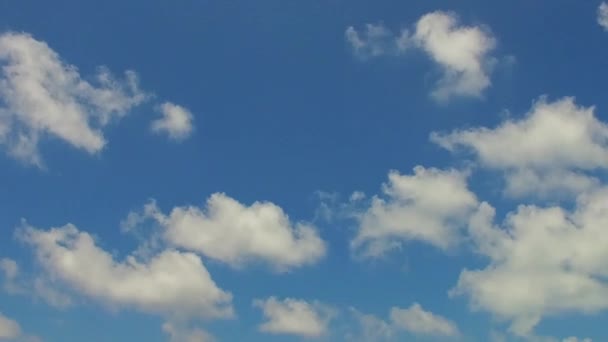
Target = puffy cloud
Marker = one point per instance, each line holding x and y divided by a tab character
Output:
294	317
462	52
535	158
431	206
418	321
233	233
176	121
543	261
42	96
413	320
171	283
602	15
9	329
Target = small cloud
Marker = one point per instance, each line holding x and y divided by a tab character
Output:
176	121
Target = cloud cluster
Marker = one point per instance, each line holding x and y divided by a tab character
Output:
462	52
43	97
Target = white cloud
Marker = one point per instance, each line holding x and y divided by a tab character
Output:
9	329
431	206
543	261
41	96
537	160
176	121
602	15
178	333
294	317
171	283
414	320
233	233
462	52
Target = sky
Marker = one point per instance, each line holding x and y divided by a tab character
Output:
357	171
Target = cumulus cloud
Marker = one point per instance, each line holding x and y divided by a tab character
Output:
9	329
236	234
431	206
294	317
171	283
535	158
414	320
42	96
462	52
543	261
176	121
602	15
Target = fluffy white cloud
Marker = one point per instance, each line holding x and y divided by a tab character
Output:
462	52
414	320
233	233
176	121
42	96
9	329
294	317
543	261
171	283
431	206
536	159
602	15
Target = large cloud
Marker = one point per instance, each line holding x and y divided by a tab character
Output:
544	153
172	283
543	261
294	317
431	206
40	96
462	52
233	233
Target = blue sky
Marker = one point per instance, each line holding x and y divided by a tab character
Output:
320	170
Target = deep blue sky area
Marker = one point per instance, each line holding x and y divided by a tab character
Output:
286	111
